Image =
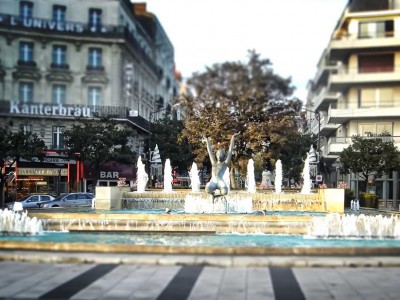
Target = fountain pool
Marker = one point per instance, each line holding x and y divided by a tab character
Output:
195	239
275	233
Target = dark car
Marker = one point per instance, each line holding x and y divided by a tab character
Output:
31	201
69	200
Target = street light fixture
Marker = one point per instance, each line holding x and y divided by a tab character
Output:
318	119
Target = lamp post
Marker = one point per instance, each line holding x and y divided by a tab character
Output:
149	141
318	119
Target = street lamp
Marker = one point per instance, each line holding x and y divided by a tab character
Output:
318	119
150	119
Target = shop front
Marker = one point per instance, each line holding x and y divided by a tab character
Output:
49	175
109	174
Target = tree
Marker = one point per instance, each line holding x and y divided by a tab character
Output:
13	147
372	155
167	135
245	98
294	154
96	141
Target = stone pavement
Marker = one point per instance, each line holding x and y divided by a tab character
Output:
41	275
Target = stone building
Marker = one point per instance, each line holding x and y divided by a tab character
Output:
65	59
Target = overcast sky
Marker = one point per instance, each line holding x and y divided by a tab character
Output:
291	33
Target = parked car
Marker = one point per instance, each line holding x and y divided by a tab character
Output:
31	201
69	200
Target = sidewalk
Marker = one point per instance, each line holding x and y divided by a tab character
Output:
137	279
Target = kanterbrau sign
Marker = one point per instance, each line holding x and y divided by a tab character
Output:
43	109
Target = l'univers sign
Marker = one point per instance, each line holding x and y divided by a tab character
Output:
44	109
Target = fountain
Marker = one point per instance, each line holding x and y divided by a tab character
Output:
194	178
142	176
355	226
167	177
278	177
306	189
227	179
251	183
17	223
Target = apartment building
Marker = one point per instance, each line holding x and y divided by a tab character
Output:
65	59
356	90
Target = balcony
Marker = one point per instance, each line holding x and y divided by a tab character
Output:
344	44
336	145
59	66
344	115
324	99
324	70
347	77
91	68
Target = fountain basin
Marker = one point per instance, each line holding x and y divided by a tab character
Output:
326	200
184	223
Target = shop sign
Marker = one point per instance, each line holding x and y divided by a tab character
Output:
41	24
41	172
44	109
109	175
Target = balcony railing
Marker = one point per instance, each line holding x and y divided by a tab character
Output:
47	26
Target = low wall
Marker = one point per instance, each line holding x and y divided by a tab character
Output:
326	200
333	200
108	197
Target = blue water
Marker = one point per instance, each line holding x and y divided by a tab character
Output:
225	240
162	211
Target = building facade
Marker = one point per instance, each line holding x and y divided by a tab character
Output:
356	90
65	59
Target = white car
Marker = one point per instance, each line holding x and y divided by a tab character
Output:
31	201
69	200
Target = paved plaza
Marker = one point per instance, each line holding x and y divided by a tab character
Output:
92	276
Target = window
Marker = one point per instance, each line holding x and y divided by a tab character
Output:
94	18
376	63
94	95
26	9
94	57
58	137
366	129
376	29
58	93
375	97
25	92
25	128
26	52
59	13
59	55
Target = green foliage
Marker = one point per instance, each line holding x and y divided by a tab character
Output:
294	153
167	135
98	141
14	146
244	98
369	200
373	155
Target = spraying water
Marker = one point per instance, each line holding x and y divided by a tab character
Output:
251	183
278	177
142	176
167	176
227	179
306	189
15	223
194	178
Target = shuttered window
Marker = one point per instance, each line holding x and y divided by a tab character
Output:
376	63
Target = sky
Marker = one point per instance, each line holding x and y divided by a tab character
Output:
291	33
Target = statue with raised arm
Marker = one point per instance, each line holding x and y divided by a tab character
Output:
219	163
